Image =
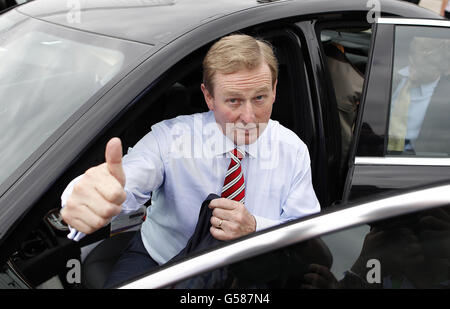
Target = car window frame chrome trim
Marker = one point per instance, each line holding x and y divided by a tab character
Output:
411	161
414	22
296	232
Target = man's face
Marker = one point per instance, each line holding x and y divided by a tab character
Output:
425	60
242	103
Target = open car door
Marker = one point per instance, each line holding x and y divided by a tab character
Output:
402	135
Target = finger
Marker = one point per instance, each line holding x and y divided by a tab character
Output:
218	234
102	207
80	226
113	155
223	214
321	270
216	222
110	189
99	178
83	219
98	193
223	203
91	219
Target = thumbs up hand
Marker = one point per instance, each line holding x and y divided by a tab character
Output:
99	194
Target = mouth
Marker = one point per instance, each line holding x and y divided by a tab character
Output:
244	134
247	132
246	128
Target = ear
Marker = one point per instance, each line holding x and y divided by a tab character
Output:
208	97
274	91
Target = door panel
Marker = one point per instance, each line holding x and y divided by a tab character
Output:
407	251
404	109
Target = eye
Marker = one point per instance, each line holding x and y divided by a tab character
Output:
260	98
233	101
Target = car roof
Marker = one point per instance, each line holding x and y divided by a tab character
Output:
162	21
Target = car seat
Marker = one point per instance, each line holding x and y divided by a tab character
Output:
176	102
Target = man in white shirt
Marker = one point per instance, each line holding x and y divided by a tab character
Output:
182	160
413	89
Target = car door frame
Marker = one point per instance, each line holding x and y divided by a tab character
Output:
328	103
84	127
370	170
88	126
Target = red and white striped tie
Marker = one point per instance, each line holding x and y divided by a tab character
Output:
234	185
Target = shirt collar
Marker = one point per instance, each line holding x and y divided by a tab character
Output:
220	144
424	88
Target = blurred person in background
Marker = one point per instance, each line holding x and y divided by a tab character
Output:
445	9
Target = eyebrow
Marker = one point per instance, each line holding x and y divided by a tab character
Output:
237	94
263	89
232	94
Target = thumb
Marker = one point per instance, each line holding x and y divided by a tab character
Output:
113	155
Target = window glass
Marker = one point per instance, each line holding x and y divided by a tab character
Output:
410	251
420	104
47	73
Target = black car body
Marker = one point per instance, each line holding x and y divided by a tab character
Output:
156	74
5	4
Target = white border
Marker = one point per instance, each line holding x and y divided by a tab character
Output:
402	161
414	22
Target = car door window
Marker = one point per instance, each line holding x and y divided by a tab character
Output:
409	251
418	116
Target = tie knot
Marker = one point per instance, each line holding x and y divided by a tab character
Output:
238	153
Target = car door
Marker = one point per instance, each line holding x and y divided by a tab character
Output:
402	132
401	241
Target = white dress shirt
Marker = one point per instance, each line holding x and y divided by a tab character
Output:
182	160
420	98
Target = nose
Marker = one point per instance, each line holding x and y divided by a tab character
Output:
247	113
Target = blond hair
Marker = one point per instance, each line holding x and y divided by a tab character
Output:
236	52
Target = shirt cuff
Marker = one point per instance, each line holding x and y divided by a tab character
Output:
127	207
75	235
264	223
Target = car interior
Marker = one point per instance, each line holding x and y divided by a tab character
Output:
346	47
347	53
41	259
